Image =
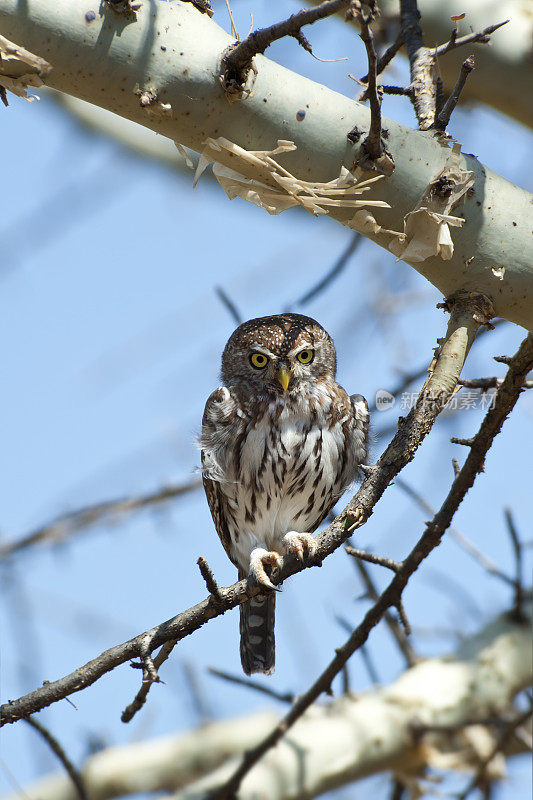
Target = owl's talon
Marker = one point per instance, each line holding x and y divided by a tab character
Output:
258	574
301	545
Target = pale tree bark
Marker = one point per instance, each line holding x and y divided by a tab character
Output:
338	743
161	67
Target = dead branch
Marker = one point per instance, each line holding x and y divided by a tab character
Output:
238	59
55	747
449	106
385	59
482	37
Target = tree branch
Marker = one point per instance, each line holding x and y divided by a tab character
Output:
421	62
107	511
449	106
76	778
467	312
238	58
191	108
483	37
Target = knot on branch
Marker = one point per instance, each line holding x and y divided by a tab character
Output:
478	305
238	72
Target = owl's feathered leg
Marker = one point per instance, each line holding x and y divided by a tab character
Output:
301	545
258	559
258	652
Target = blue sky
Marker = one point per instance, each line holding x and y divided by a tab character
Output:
112	334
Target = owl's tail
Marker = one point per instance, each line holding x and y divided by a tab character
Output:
257	634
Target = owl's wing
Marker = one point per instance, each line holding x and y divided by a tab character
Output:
362	423
220	411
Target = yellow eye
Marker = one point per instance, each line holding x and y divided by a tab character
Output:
258	360
305	356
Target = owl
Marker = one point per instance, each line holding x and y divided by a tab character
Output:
281	441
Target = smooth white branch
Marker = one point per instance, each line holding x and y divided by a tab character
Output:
170	53
333	744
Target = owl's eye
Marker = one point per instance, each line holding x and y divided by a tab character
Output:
258	360
305	356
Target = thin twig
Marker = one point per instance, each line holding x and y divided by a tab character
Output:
74	775
283	697
502	740
382	561
372	145
229	304
209	578
140	698
517	548
399	633
405	91
463	541
448	107
483	37
62	527
385	59
334	272
238	58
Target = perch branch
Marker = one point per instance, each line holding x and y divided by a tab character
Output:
505	401
467	312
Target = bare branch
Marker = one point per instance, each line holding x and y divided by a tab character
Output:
517	548
421	62
395	566
209	578
467	313
483	37
283	697
385	59
447	110
62	527
140	698
229	304
56	748
399	633
499	746
334	272
374	156
238	59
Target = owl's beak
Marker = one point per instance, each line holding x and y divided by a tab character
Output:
284	376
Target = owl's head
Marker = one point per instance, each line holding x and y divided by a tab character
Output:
278	353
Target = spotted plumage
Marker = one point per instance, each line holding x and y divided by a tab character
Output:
281	441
